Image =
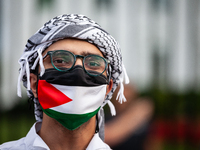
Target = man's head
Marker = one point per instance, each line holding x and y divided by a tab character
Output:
74	84
72	33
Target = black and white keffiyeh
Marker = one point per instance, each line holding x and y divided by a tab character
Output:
71	26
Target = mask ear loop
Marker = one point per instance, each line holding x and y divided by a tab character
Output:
97	124
38	111
109	73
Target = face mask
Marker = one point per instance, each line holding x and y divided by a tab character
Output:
73	97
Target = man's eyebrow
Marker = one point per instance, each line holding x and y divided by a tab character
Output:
89	53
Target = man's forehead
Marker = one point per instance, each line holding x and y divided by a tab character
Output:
76	46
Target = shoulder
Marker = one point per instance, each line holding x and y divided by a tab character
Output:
14	145
23	143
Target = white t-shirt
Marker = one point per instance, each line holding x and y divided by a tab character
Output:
33	141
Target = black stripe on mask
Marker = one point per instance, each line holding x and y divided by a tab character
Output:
74	77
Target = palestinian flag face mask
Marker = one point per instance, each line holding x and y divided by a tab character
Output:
72	97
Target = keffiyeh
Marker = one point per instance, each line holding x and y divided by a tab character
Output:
71	26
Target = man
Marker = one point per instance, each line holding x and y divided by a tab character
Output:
70	67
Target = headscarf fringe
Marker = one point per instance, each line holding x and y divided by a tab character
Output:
28	75
100	117
120	95
112	108
126	78
24	65
19	81
41	60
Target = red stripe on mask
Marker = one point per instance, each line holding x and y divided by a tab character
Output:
49	96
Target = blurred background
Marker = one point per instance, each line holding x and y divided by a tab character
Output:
160	43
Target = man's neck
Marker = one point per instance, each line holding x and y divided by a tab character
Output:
57	137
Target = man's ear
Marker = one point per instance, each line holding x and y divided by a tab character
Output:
109	86
33	84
